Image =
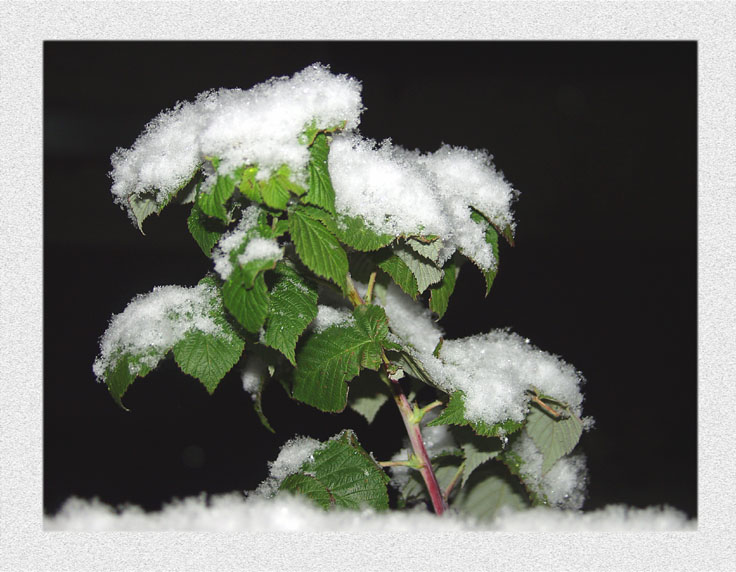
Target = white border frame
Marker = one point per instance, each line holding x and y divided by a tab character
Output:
23	28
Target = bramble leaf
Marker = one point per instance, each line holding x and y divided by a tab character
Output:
248	185
454	414
317	247
425	271
212	202
354	232
142	206
427	247
477	450
276	192
321	193
554	437
331	358
489	274
367	395
397	269
205	230
342	474
439	294
248	306
208	357
292	306
120	377
487	490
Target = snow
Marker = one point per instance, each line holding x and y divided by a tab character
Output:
152	323
252	374
232	239
261	249
411	321
564	484
496	369
404	192
260	126
233	512
293	454
328	316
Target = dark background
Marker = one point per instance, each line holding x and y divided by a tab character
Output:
600	138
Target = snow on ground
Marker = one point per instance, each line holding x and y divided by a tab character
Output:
234	512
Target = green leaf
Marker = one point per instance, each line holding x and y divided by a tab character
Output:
317	247
454	414
248	185
142	206
354	232
145	204
248	306
489	274
424	270
205	230
321	192
427	247
553	437
488	490
213	201
256	366
293	305
516	466
208	357
119	377
477	450
397	269
276	192
414	367
367	395
331	358
439	297
342	474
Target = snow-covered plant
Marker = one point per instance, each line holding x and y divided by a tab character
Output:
332	258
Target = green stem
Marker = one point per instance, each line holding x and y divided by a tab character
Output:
369	291
453	482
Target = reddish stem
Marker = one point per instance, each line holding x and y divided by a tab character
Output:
417	443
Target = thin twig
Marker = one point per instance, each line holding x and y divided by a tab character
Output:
453	482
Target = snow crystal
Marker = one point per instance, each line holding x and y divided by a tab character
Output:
328	316
231	512
564	484
260	126
293	454
152	323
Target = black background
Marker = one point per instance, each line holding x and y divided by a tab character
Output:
600	138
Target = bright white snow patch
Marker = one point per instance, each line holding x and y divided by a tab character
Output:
404	192
152	323
496	369
261	249
328	316
260	126
232	512
411	321
294	453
